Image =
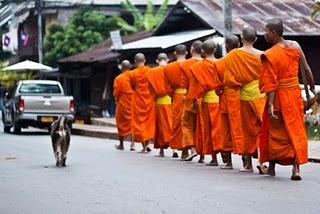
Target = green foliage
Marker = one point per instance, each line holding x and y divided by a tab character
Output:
316	10
84	29
9	78
148	21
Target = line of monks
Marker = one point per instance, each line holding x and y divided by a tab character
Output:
247	103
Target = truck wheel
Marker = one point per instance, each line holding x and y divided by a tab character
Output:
16	129
6	129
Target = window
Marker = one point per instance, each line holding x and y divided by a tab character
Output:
36	88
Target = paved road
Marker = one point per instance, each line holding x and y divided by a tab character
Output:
99	179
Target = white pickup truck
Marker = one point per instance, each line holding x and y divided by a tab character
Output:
35	103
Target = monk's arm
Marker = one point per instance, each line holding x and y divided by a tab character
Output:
116	91
271	96
152	91
304	66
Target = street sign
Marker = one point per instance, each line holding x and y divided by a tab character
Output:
116	39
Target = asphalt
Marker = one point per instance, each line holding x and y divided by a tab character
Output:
99	179
106	128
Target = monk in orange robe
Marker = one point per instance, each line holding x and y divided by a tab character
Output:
283	136
143	123
229	107
204	82
188	114
243	66
123	94
173	74
159	89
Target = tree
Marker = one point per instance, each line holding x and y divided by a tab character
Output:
316	10
9	78
84	29
141	21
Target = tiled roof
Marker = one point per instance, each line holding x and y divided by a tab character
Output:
295	14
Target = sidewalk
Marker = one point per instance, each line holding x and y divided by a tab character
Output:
314	151
106	128
100	127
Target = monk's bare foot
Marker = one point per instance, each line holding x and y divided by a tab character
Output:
227	167
214	161
262	169
175	155
148	149
246	169
184	154
271	172
191	156
201	159
224	157
143	151
295	176
132	147
119	147
296	173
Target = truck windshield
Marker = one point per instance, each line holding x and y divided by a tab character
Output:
40	89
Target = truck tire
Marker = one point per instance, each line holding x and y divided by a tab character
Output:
16	129
6	129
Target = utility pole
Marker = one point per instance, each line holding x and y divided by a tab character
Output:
40	42
227	12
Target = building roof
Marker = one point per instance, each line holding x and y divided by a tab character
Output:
166	41
295	14
105	2
103	52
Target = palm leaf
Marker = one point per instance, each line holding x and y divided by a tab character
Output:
161	12
137	16
316	11
123	24
149	19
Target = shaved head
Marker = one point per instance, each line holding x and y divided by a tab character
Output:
139	58
209	47
125	65
196	47
162	56
162	59
232	42
180	49
275	25
249	34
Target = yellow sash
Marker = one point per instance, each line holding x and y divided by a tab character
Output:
180	91
165	100
211	97
288	82
251	91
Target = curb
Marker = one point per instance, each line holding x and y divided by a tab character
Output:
82	132
99	122
314	160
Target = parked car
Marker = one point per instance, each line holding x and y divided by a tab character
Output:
35	103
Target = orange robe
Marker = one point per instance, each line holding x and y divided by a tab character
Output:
188	115
242	74
173	73
159	88
225	96
203	84
283	140
143	122
123	93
